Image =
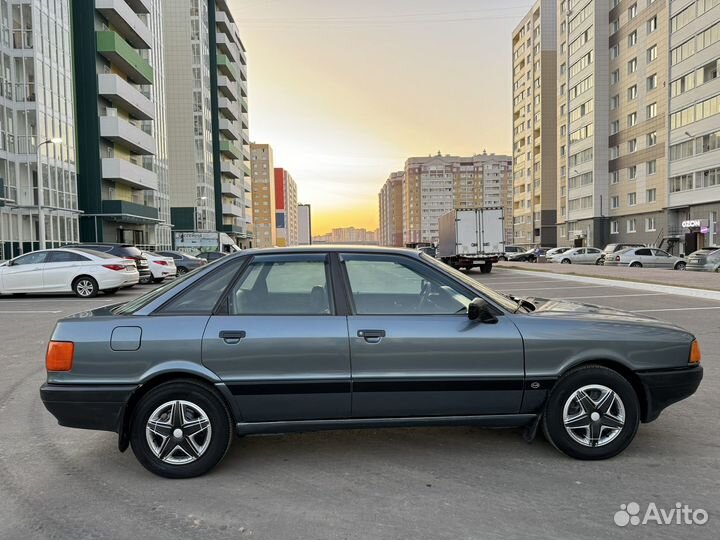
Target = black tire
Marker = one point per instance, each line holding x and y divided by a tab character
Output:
110	292
636	265
502	258
181	270
486	268
198	395
145	280
566	261
563	392
680	266
600	262
85	287
158	280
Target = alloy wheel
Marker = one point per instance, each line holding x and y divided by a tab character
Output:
85	288
594	415
178	432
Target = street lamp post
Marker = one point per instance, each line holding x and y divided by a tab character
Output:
41	201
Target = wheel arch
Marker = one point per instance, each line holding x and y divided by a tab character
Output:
198	376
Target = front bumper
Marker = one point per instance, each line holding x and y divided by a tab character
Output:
665	387
97	407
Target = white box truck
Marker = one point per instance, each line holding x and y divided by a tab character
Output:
472	237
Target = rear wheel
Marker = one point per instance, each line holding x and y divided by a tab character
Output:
181	270
502	258
85	287
145	280
680	266
180	430
486	268
635	265
599	262
592	413
566	261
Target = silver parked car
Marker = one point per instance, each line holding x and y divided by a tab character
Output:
315	338
645	257
705	260
581	255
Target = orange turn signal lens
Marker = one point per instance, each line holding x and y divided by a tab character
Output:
59	356
695	355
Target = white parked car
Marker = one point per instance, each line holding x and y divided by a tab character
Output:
161	267
645	257
579	255
556	251
82	271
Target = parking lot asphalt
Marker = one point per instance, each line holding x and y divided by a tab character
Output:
435	483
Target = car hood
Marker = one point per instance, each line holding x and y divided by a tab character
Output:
545	307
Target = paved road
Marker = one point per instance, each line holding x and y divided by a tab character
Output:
441	483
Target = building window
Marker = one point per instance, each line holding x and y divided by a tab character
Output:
614	51
614	227
615	202
614	102
632	119
652	82
632	146
632	172
614	152
632	225
614	127
614	26
652	25
632	11
614	177
651	195
651	53
632	199
650	224
615	77
651	167
632	92
651	138
651	111
632	38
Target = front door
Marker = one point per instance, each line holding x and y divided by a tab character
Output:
60	269
414	351
24	274
280	346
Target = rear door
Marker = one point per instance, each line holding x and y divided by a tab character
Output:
280	344
645	257
414	351
25	274
60	270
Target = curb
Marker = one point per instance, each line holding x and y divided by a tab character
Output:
636	285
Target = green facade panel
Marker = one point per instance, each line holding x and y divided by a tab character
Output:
111	45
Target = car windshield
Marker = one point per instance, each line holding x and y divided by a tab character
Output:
495	296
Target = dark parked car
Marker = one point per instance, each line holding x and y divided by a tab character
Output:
185	263
704	260
211	256
531	255
614	248
312	338
126	251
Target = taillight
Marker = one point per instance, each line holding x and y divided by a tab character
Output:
161	263
116	267
695	355
59	356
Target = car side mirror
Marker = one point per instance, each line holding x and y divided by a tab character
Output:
480	310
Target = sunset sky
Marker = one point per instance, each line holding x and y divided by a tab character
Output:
345	90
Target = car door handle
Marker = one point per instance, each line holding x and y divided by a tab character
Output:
232	337
371	336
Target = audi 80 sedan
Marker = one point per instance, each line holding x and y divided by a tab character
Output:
302	339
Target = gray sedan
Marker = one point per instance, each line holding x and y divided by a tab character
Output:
645	257
316	338
705	260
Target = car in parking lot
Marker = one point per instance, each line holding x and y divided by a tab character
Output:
126	251
80	271
211	256
316	338
645	257
556	251
580	255
704	260
530	255
184	262
510	251
161	267
614	248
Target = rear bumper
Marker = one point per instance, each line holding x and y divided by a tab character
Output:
663	388
97	407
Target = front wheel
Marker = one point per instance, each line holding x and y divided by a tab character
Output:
85	287
486	268
600	262
180	430
680	266
635	265
502	258
592	413
566	261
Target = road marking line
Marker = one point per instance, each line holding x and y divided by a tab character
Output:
674	309
560	287
609	296
491	282
29	312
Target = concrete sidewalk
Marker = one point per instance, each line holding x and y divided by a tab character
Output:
695	280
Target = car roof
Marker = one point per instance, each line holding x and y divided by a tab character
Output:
330	248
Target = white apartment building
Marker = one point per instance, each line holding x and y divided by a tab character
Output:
36	105
694	169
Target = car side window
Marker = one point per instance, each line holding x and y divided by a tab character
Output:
643	252
660	253
387	285
202	296
31	258
65	256
283	285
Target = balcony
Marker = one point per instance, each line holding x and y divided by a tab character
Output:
125	96
124	133
226	45
228	108
123	19
232	210
125	172
230	150
224	23
232	190
227	88
130	211
116	50
244	104
139	6
229	129
226	67
228	168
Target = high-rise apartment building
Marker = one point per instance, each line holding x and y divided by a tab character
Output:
434	185
120	122
694	185
262	172
638	111
304	225
390	201
286	209
208	119
36	106
583	121
348	235
534	41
